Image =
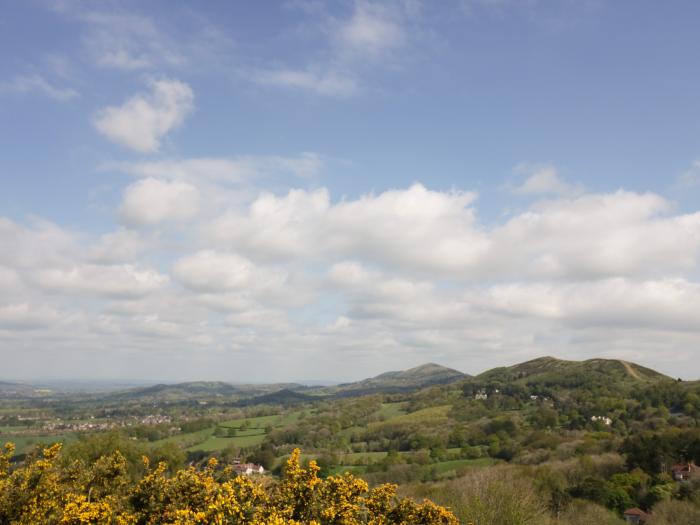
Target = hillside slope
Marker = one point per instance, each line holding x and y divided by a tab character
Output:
552	372
198	390
399	381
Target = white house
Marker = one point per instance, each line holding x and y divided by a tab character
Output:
604	419
248	468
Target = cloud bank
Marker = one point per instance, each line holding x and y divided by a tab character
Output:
382	280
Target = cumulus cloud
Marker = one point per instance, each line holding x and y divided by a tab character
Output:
47	258
23	316
124	280
151	201
413	228
119	246
209	271
143	120
384	280
615	234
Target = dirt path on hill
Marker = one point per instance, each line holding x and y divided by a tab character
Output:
631	371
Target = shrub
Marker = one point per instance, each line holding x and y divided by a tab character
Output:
47	491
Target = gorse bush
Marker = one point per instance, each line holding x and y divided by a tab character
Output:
46	491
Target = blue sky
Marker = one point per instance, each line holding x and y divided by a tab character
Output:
296	185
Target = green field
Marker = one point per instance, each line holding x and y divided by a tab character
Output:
214	443
25	444
390	410
446	466
432	414
249	432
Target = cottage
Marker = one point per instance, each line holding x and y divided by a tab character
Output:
248	468
635	515
685	471
481	394
603	419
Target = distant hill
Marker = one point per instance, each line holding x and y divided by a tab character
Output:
20	390
198	391
285	397
400	381
552	372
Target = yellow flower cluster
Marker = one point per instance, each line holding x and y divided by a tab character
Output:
45	491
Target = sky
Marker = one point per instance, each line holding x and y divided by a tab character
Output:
296	190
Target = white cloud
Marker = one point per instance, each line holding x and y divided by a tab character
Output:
690	178
373	36
669	304
328	83
40	244
23	316
128	41
152	201
413	229
143	120
135	42
237	169
122	280
209	271
436	233
118	246
373	30
384	280
543	180
35	83
616	234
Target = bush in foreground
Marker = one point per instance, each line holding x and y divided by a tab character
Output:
103	493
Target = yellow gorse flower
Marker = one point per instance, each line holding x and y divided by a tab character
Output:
43	491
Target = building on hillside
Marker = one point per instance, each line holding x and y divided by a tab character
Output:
603	419
685	471
248	468
481	394
635	515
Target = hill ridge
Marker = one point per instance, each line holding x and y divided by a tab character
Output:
551	371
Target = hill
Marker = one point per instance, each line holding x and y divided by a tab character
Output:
400	381
198	391
21	390
552	372
284	397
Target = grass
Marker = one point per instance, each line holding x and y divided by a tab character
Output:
12	429
25	444
431	415
252	433
357	470
214	443
391	410
446	466
354	457
252	422
187	440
